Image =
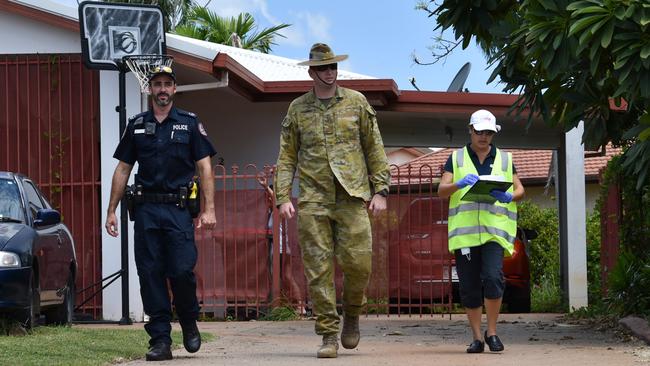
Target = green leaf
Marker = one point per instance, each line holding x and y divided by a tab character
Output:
583	23
644	134
558	40
549	4
634	131
645	51
598	25
591	10
607	34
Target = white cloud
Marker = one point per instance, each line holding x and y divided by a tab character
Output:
229	8
318	26
306	27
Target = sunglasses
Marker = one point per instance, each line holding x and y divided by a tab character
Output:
325	67
158	69
484	132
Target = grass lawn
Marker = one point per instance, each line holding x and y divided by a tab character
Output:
78	346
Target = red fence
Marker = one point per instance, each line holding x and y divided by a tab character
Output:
49	131
611	213
245	268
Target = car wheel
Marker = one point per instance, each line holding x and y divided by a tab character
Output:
29	317
62	314
519	300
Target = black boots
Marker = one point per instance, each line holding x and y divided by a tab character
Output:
159	352
191	337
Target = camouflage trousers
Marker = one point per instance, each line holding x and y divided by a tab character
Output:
340	231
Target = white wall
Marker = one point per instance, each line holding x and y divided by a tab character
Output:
111	253
241	131
536	195
24	35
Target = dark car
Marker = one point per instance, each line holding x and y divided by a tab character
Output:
37	257
422	269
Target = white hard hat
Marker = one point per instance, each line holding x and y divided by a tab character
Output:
482	120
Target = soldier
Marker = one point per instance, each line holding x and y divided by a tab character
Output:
330	136
167	143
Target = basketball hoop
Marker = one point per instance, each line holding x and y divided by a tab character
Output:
142	67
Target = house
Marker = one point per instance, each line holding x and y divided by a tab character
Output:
60	126
533	168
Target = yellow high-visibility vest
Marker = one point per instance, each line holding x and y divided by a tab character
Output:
472	224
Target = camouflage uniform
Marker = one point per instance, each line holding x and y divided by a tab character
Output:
338	151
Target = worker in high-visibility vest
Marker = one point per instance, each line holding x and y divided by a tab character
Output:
481	233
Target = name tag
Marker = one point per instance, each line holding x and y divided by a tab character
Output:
138	131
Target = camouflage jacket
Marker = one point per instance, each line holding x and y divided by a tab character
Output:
339	141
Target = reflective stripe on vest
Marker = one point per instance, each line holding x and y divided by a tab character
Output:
471	223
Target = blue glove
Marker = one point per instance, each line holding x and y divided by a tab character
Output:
503	197
468	180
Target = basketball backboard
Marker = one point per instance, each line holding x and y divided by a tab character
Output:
110	31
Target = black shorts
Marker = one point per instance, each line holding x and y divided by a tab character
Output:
480	275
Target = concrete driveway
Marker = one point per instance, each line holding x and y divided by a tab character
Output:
530	339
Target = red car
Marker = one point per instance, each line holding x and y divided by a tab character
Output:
421	269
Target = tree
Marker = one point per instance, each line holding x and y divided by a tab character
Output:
570	61
240	31
174	11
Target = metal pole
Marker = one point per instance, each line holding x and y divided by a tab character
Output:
124	227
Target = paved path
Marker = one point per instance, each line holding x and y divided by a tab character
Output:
535	339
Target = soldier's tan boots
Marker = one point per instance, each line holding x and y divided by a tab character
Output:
350	334
329	348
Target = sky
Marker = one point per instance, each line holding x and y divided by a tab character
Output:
380	36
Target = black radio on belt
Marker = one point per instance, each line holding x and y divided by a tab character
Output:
182	196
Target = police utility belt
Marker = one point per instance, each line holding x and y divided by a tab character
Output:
187	197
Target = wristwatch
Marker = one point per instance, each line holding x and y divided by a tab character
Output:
383	192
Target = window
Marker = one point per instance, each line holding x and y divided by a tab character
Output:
34	199
10	206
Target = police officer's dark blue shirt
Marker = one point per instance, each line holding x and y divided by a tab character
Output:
166	154
482	169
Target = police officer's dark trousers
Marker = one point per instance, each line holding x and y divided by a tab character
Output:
165	250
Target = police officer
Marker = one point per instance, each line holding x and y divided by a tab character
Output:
330	136
167	143
481	233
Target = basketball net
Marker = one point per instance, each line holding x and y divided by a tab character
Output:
142	67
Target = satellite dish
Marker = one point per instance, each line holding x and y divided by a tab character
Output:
460	78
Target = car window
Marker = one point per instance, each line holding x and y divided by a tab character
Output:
33	197
10	205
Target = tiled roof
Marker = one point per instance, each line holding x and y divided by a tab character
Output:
532	165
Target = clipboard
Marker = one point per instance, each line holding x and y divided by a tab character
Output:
480	191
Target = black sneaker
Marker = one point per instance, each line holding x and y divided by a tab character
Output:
159	352
493	342
476	347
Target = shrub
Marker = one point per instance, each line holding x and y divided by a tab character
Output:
544	251
629	282
544	255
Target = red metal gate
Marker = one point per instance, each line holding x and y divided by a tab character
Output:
49	129
247	266
611	214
